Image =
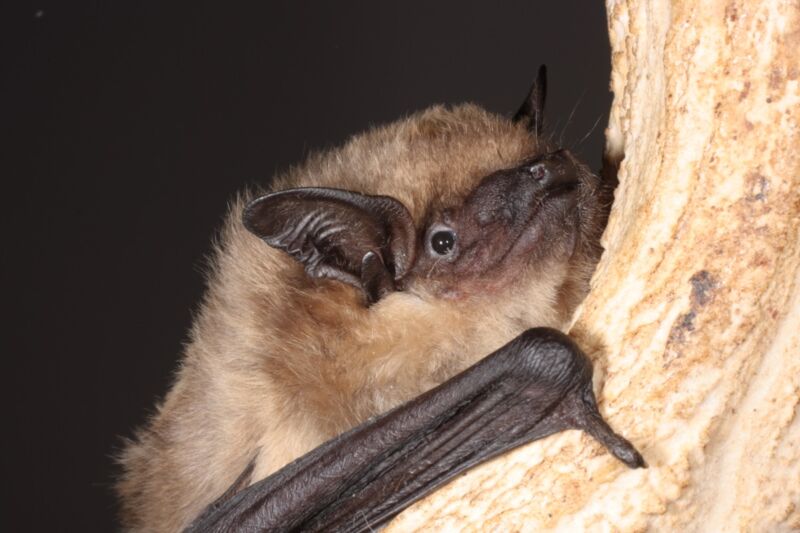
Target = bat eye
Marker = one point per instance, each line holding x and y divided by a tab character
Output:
443	241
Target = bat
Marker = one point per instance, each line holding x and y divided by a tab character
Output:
338	370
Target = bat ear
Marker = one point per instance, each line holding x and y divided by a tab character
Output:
366	241
531	112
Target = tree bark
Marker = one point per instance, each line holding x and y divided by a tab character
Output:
693	320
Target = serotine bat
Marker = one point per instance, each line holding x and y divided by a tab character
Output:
393	264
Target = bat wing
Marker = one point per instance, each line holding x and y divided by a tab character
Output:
538	384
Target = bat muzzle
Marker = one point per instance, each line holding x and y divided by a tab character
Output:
553	172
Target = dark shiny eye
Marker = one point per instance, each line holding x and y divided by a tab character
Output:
443	241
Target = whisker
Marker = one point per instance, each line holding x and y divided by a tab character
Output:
596	122
569	118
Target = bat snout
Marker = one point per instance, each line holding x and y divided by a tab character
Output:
512	196
553	171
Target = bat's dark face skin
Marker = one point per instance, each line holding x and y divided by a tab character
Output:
391	265
516	219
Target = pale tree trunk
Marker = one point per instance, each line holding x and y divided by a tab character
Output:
694	316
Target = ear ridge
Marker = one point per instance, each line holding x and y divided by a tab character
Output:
532	109
366	241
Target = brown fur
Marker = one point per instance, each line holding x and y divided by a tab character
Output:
279	363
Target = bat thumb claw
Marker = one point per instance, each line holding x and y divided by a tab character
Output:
591	421
618	445
628	455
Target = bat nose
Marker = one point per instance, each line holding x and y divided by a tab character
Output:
510	195
554	170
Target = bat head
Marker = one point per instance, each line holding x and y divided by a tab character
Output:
515	219
473	209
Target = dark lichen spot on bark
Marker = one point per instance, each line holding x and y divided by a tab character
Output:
683	325
703	285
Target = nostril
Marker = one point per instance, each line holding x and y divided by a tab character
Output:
539	171
554	170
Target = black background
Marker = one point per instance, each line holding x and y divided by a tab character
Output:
126	128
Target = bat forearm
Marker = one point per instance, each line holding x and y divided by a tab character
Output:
538	384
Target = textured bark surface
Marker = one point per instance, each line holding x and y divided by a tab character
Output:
694	316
